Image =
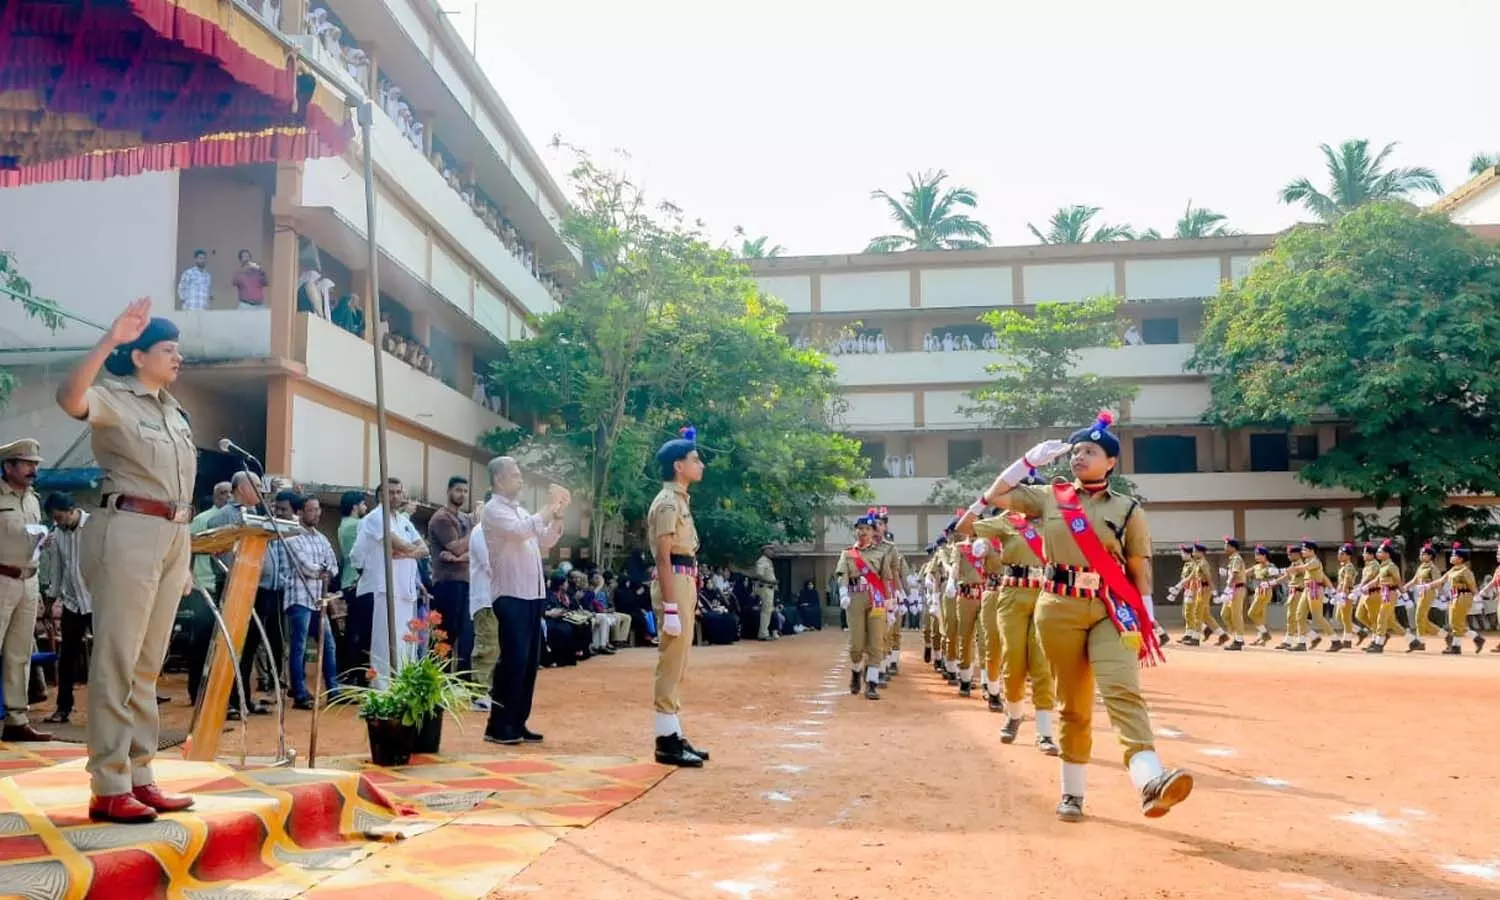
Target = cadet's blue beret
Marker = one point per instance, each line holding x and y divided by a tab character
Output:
1099	433
677	448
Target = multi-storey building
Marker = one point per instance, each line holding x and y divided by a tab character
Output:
906	404
469	256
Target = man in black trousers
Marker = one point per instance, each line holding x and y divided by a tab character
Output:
516	540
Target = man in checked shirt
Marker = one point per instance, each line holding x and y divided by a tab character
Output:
311	563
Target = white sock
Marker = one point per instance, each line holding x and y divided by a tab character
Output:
968	675
1471	634
667	724
1044	723
1074	778
1144	766
872	675
951	666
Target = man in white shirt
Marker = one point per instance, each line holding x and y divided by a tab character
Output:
515	540
407	547
485	631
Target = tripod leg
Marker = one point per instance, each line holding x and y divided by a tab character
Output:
239	685
265	642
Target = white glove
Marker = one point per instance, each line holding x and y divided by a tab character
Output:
933	609
931	584
1223	572
843	597
951	590
890	617
671	625
1174	592
1150	605
911	582
981	546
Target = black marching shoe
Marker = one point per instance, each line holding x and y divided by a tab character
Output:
870	692
1362	635
950	677
994	701
926	654
854	682
1236	644
532	737
1478	643
1298	648
1414	645
1317	639
1284	645
701	754
1453	650
1164	638
1164	792
671	751
1070	809
1223	639
1009	730
895	668
1375	648
965	689
1189	640
1048	746
1335	646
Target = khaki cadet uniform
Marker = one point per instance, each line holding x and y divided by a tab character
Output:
1186	580
1233	614
1315	582
136	560
893	633
1427	573
21	532
970	588
949	607
867	623
1368	608
1460	581
931	623
990	640
1260	575
1020	647
765	592
1388	588
1205	598
1077	634
1348	580
1296	617
671	514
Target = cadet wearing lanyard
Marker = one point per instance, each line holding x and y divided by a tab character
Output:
135	551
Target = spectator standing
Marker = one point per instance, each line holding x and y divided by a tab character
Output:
515	540
482	623
406	548
64	580
354	643
313	565
250	282
449	529
349	314
195	285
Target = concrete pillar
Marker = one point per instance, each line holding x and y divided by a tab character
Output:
281	293
279	425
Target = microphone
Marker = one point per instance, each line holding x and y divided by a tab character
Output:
228	446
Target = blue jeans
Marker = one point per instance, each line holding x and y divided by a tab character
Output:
299	623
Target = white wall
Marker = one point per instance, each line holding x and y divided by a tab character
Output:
442	465
327	444
1176	402
403	457
1180	526
879	410
860	291
905	529
984	286
91	246
1483	209
793	290
1068	281
1171	279
941	409
1282	526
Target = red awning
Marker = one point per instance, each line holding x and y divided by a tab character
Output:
91	89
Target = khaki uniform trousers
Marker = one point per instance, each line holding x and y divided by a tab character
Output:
1191	623
1232	613
1367	610
991	638
1258	606
866	632
1425	628
672	650
137	569
1021	655
968	628
1206	610
1083	648
1458	617
1312	606
486	644
949	628
1345	614
18	605
932	629
767	599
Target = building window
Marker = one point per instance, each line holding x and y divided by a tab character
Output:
1305	447
962	453
1165	454
1160	331
1270	453
874	451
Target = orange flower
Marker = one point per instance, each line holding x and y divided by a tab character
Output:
438	634
434	618
414	626
443	649
371	674
410	638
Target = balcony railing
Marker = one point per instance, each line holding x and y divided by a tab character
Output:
223	334
968	366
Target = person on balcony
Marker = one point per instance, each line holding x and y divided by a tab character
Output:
349	314
195	285
250	282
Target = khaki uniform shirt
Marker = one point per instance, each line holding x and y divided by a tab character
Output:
964	571
765	575
1010	548
881	561
1237	571
1116	518
17	510
1348	576
1425	574
1367	574
1460	579
1260	574
1204	574
671	514
142	441
1388	576
1314	574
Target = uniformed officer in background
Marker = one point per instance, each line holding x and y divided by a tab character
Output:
135	551
21	534
765	592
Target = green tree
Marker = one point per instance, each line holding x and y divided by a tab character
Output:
1387	321
756	248
1196	222
669	331
14	286
1483	162
1356	178
931	218
1074	225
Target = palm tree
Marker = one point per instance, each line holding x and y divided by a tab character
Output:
755	248
1071	225
1483	162
1199	222
1356	179
930	217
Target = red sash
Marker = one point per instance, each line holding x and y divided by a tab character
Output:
877	585
1121	599
1029	534
974	560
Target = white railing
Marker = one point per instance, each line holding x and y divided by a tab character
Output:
211	335
968	366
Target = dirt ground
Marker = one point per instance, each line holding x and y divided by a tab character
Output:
1318	775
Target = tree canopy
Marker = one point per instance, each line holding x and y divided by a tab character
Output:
1389	319
1074	225
931	217
15	287
671	331
1356	178
1195	222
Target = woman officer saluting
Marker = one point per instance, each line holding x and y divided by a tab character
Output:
135	551
1094	615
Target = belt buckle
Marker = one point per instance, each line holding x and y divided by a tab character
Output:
182	513
1087	581
1036	573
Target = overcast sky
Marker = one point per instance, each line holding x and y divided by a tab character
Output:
782	116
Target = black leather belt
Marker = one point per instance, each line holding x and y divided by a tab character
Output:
683	559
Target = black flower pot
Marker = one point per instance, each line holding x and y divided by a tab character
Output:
430	734
391	741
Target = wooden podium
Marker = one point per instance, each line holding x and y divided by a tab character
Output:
248	542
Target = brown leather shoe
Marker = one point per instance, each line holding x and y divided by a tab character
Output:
152	796
25	732
122	809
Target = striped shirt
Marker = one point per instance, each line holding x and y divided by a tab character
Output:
194	288
59	568
315	563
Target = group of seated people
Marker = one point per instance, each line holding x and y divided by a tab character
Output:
407	349
948	342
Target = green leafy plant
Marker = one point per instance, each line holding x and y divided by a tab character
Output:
422	687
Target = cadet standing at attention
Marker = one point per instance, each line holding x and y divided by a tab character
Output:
969	569
21	533
1095	613
866	573
949	605
987	548
135	552
674	593
932	650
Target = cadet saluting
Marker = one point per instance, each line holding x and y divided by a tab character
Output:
135	552
1094	614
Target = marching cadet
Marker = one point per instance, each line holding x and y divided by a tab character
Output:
1211	627
931	649
989	638
1015	545
21	534
1424	582
1263	576
1233	611
1094	614
1293	576
1187	581
674	593
1344	597
1388	586
1365	611
1315	583
1460	581
135	553
969	580
866	573
950	557
891	661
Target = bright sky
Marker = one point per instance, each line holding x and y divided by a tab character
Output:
783	115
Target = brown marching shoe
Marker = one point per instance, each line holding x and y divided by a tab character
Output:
1164	792
154	797
122	809
26	733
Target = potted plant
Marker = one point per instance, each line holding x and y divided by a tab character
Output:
406	716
